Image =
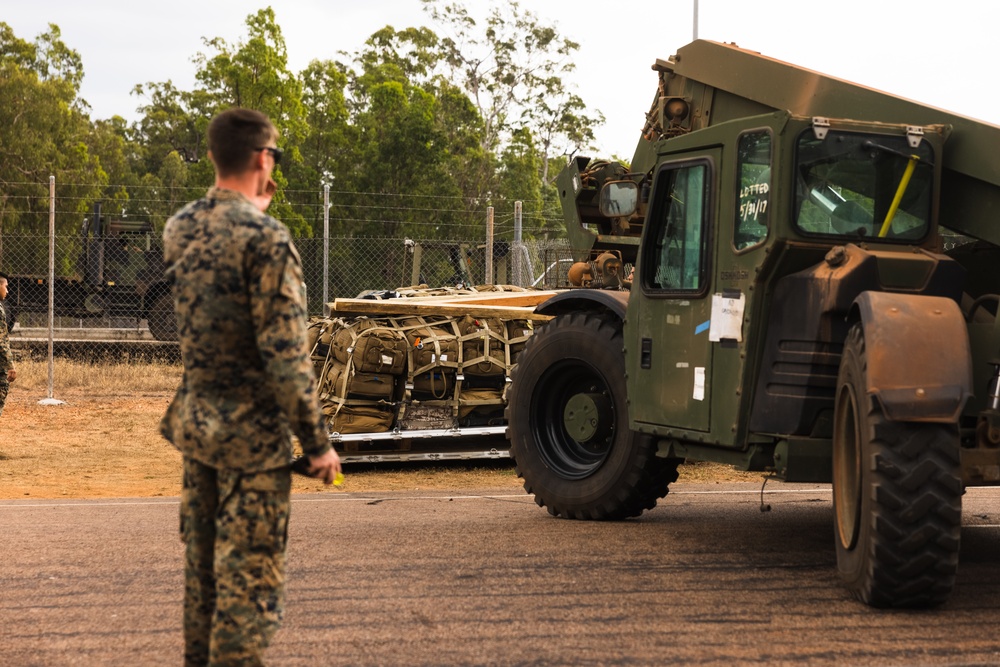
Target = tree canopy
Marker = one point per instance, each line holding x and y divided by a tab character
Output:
413	133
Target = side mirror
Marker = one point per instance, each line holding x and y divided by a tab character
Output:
619	199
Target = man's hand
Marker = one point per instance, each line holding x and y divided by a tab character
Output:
11	375
325	467
263	198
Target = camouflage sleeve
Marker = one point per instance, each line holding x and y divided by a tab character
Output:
6	356
277	303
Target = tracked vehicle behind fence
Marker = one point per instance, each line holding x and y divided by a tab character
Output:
118	273
814	295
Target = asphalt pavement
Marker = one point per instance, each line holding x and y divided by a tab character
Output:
483	578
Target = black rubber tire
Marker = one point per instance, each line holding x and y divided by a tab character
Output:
614	473
161	318
897	496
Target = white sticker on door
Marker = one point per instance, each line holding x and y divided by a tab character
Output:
727	318
699	383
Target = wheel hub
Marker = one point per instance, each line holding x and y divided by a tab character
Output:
585	417
847	470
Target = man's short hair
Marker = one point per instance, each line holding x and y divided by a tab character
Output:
235	135
4	276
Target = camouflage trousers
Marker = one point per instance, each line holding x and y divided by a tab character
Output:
235	526
4	388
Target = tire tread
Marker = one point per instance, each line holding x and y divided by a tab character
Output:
647	477
912	555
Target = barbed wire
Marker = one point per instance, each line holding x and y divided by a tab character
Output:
199	188
477	216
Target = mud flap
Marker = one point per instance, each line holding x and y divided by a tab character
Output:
919	358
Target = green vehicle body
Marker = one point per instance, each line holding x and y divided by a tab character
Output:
119	273
813	296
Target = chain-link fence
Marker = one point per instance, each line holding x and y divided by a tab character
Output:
118	286
108	298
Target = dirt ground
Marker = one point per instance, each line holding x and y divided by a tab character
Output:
104	444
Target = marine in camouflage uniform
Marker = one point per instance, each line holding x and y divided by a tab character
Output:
7	372
248	385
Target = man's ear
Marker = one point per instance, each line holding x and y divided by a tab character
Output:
258	160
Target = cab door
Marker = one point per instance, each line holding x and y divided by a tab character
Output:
668	354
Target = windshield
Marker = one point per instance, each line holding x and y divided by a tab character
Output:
863	186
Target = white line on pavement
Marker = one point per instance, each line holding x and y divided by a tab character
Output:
367	498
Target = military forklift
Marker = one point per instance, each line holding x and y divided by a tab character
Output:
795	275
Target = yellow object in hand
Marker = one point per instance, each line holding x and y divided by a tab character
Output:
338	479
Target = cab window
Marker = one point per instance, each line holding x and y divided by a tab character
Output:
861	186
676	258
754	170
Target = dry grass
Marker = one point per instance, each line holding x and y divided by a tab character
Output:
703	472
109	378
104	442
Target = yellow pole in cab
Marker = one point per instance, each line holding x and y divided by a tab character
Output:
903	182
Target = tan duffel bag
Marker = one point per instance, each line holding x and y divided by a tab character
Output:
429	344
312	336
337	382
360	419
436	384
483	346
518	333
373	347
480	400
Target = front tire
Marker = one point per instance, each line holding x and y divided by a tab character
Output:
897	496
161	318
567	421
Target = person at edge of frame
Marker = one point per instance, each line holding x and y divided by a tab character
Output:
247	386
7	372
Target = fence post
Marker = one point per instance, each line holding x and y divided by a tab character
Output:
516	247
50	400
326	249
489	245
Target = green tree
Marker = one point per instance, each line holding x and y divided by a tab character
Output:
254	74
447	174
514	69
419	134
325	145
519	174
251	73
397	147
44	130
169	150
413	159
169	124
564	127
410	55
108	143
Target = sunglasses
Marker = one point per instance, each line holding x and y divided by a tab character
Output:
275	152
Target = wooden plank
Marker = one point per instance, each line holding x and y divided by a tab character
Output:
404	307
532	298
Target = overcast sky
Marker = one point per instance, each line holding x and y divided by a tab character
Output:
942	53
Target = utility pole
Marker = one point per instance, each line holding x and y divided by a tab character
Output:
695	22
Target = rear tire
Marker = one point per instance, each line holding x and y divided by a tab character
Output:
567	421
161	318
897	496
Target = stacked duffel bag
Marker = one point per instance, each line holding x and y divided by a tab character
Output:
360	378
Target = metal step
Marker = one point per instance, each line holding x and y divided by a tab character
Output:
424	445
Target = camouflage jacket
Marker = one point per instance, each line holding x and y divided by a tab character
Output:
6	356
248	382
